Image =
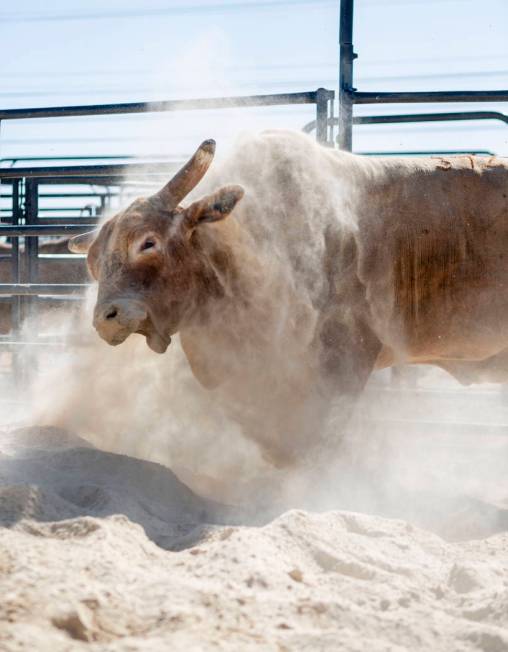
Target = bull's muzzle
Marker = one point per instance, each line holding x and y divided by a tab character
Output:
115	320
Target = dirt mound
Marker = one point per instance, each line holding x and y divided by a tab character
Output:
105	549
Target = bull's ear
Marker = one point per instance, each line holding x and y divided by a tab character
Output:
80	244
213	208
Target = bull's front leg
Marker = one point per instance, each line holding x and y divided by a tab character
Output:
304	426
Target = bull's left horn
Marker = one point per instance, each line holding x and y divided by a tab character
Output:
188	177
79	244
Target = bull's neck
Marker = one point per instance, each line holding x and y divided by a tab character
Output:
226	278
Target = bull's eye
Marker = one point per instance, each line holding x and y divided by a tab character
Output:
145	249
147	244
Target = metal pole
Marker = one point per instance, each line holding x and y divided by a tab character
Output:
44	230
15	257
32	242
17	363
412	97
322	96
36	289
15	241
346	90
277	99
29	361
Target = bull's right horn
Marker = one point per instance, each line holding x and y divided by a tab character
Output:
188	177
80	244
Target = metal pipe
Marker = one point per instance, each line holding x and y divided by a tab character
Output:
100	157
432	152
16	274
75	195
57	209
151	181
64	195
31	254
278	99
15	220
427	96
322	97
31	242
431	117
416	117
346	90
33	289
45	230
67	221
117	170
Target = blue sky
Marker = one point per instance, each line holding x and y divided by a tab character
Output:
58	52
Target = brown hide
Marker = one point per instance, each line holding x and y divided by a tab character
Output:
54	271
437	284
331	265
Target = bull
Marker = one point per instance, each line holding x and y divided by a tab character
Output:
307	271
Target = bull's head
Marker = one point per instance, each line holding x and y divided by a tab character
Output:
148	260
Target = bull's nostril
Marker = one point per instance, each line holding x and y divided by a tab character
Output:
111	313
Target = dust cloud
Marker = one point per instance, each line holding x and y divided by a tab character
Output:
98	485
140	509
249	442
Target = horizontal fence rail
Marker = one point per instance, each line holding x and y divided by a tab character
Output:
433	152
45	230
67	171
420	97
35	289
429	117
321	95
412	118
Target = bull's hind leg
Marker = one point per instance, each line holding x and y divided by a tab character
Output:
347	355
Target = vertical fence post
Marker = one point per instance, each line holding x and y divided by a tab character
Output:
15	241
100	212
16	278
32	243
347	56
322	115
331	116
30	362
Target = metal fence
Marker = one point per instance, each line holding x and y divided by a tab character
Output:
349	95
104	183
25	222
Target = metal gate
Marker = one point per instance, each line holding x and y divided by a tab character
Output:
23	187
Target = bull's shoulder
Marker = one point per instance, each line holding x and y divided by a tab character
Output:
202	370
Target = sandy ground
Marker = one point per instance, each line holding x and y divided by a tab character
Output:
104	552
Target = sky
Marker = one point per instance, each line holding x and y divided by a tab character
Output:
98	51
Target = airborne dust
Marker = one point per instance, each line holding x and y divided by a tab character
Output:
427	450
450	477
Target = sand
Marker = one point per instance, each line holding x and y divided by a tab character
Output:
105	552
